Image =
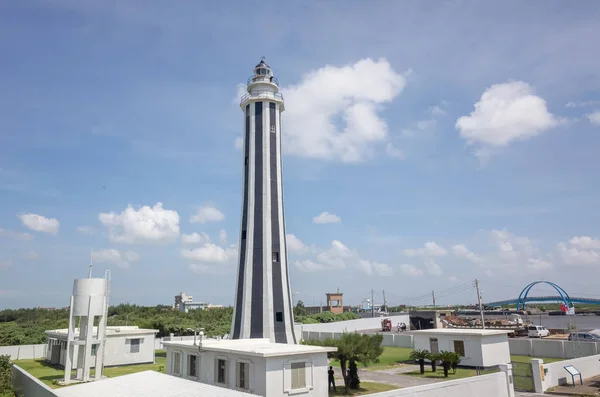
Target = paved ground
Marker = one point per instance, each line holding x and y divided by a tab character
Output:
523	394
390	376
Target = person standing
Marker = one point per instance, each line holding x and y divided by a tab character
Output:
331	378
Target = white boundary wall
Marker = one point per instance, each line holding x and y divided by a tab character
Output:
389	339
498	384
28	386
552	348
361	324
556	374
24	352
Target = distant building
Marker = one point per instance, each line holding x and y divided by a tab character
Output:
124	346
185	303
335	302
182	298
428	319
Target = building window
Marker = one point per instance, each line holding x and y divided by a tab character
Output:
176	363
459	347
94	349
279	317
273	128
298	376
192	362
134	346
221	371
275	256
243	375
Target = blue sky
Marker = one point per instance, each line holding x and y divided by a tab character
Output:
444	141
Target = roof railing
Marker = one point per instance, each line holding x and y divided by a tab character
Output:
263	78
263	94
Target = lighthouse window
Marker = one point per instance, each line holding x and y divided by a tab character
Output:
279	317
273	128
243	234
275	256
246	160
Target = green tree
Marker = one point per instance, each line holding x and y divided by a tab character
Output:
353	378
299	310
455	361
353	347
420	356
5	376
433	358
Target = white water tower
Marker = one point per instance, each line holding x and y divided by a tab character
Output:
85	348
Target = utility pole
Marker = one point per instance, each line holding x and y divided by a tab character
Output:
384	303
372	304
433	296
479	302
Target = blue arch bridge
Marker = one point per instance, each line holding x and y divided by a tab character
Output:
562	297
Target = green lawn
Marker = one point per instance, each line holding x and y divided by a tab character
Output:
439	374
365	388
48	374
392	357
527	359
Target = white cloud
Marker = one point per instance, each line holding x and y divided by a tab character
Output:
433	268
194	238
326	217
461	251
40	223
594	117
392	151
580	251
147	224
582	104
211	258
222	236
437	111
339	256
453	279
295	245
15	235
208	213
585	242
411	270
30	255
505	113
353	93
238	143
122	259
429	249
85	229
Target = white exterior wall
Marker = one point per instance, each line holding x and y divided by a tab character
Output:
117	350
552	348
24	352
480	351
269	376
557	375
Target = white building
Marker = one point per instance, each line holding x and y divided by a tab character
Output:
124	345
477	347
256	366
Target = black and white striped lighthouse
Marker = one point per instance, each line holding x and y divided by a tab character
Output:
263	300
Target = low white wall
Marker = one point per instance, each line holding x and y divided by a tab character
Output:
24	352
398	340
557	375
28	386
360	324
550	348
495	384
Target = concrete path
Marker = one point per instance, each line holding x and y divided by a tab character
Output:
390	376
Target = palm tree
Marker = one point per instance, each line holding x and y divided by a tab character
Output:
455	361
433	357
420	356
446	358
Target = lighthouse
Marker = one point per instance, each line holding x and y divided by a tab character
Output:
263	300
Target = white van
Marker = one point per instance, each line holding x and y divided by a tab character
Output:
537	331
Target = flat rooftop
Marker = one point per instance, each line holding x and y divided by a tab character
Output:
147	384
252	347
461	331
110	331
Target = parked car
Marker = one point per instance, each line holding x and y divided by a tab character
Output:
592	336
537	331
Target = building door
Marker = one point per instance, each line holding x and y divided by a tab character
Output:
433	346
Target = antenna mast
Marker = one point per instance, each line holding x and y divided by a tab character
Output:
91	256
